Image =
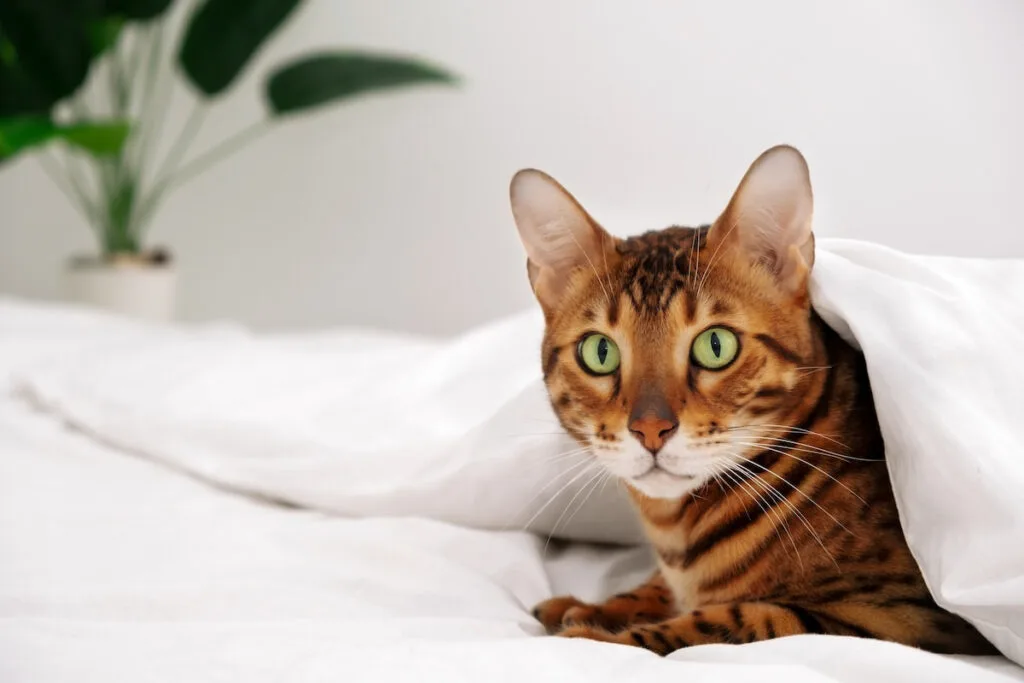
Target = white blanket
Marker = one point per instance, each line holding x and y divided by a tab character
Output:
115	570
354	424
458	432
944	343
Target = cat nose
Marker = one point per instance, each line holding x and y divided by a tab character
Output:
653	431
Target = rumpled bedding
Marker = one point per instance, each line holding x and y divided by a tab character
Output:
202	503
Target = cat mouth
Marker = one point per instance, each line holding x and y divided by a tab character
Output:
657	472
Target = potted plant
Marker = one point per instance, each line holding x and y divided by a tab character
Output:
58	58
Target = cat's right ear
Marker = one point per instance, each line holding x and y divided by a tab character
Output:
558	234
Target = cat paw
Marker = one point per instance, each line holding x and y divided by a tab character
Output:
590	633
553	611
646	637
563	612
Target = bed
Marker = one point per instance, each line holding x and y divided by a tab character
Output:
150	531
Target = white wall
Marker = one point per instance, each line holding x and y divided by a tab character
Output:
393	211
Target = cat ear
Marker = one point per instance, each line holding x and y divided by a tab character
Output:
558	234
769	217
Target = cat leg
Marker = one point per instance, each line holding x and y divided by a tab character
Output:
742	622
648	603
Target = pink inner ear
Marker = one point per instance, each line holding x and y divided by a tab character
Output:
558	234
770	214
549	287
594	255
532	272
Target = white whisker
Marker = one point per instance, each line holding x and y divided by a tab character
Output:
807	370
599	482
607	271
766	509
694	247
766	442
585	470
778	496
810	464
714	256
607	295
568	505
806	448
802	493
789	428
537	494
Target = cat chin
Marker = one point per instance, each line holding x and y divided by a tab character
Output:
664	485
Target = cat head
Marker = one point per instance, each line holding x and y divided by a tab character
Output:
671	355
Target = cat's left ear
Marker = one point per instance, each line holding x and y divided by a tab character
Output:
769	218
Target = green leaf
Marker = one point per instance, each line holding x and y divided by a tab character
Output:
103	34
325	78
21	134
99	139
223	35
138	10
8	55
20	94
51	42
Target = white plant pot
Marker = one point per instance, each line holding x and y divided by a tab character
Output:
138	290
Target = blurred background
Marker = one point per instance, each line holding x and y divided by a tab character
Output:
391	211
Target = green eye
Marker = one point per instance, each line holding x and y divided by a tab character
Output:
715	348
598	354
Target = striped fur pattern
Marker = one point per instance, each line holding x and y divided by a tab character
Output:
764	491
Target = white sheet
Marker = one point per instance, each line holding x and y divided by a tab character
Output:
121	570
115	570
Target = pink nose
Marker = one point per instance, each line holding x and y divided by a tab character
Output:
653	431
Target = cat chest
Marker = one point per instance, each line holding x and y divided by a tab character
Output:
670	547
700	580
713	575
683	585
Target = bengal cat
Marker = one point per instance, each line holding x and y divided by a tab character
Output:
690	363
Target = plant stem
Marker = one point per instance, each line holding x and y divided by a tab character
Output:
142	136
78	202
218	153
193	168
80	109
118	86
181	145
168	168
158	117
136	60
119	181
78	184
105	167
119	236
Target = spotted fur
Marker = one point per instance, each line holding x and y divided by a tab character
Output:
764	494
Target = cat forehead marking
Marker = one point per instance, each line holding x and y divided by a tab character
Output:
658	265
